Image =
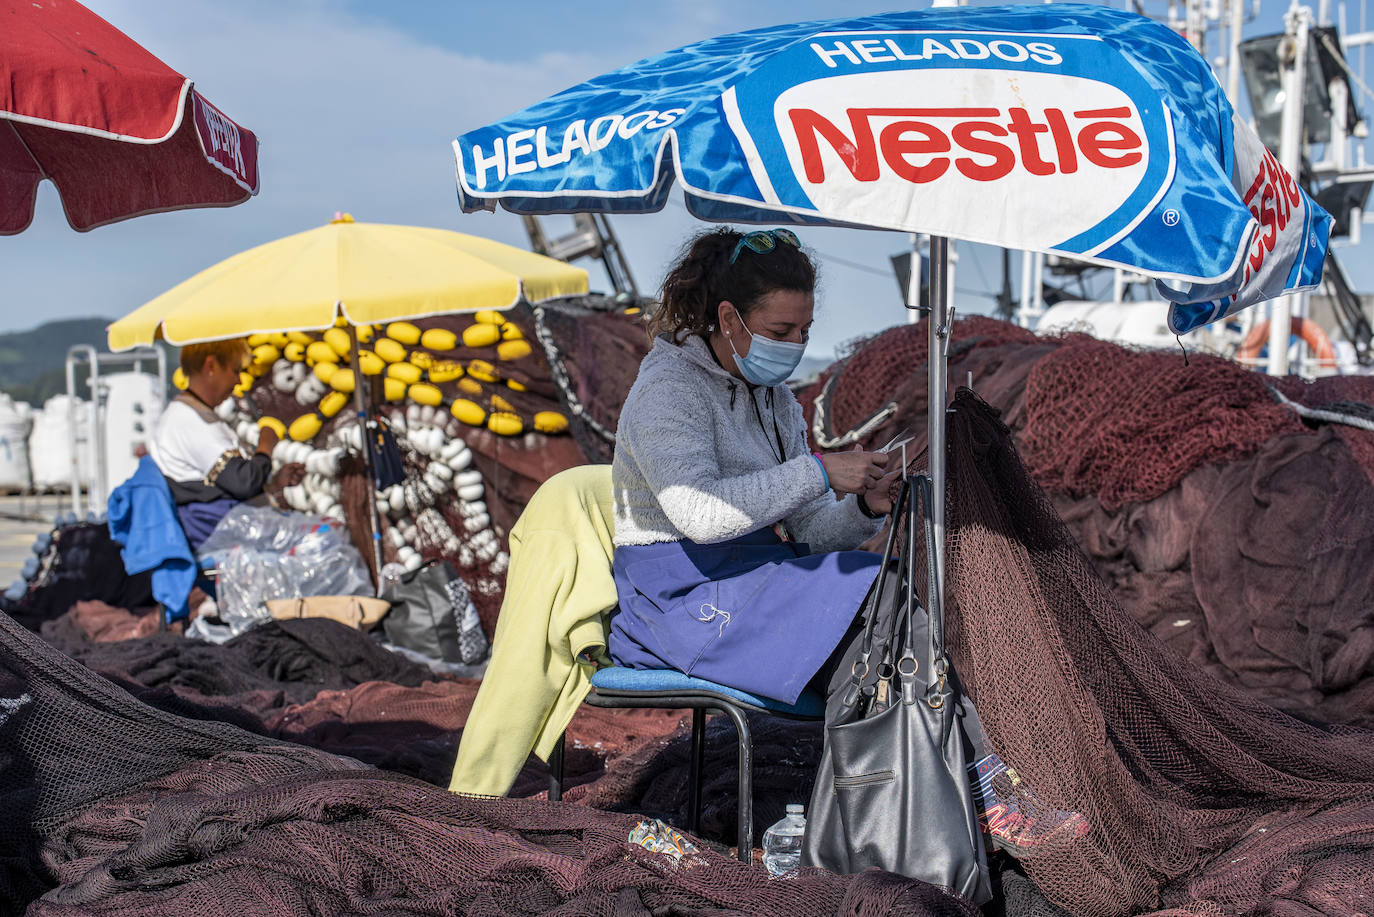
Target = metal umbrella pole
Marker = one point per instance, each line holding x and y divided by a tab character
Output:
937	335
361	410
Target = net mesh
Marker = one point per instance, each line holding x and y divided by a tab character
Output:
1201	799
1127	425
1226	524
115	808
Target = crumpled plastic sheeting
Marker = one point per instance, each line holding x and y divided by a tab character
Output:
264	554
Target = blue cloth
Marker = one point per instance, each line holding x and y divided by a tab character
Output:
143	519
1071	128
754	613
671	681
198	520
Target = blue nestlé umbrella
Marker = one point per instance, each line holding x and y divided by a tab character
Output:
1082	130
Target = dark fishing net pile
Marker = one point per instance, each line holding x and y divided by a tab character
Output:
1201	799
1229	524
116	808
82	563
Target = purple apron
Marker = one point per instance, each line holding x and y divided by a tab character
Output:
754	613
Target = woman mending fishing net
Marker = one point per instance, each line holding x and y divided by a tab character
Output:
735	554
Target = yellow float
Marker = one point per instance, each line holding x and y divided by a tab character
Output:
550	422
390	350
305	427
320	352
481	335
424	393
505	423
404	332
333	403
407	373
482	370
438	339
338	341
342	381
468	412
512	350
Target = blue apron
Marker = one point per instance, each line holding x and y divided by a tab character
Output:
754	613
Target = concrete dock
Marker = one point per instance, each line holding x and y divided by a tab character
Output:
22	519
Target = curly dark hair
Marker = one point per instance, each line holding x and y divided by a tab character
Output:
703	276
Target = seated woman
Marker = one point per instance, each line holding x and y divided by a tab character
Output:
197	452
734	554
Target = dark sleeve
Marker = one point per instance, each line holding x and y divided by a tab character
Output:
242	478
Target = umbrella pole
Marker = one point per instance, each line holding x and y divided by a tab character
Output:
361	409
937	325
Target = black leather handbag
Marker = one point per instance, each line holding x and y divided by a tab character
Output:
893	790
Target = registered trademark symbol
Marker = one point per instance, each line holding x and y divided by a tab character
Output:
1171	217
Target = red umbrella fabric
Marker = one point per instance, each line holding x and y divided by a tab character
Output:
116	130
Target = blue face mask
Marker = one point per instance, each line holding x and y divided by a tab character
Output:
769	361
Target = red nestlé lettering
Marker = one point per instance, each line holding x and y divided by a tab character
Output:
1271	198
922	144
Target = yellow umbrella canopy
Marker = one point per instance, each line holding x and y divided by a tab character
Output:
367	272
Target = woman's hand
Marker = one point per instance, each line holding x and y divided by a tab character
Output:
856	471
878	498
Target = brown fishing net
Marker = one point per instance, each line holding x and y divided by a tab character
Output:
1266	585
115	808
1201	800
1128	425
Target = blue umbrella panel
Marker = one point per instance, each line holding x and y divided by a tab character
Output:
1080	130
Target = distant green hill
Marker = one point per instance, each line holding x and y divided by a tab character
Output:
33	363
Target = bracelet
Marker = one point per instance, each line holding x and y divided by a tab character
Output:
821	466
864	508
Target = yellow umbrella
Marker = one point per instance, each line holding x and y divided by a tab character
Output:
365	272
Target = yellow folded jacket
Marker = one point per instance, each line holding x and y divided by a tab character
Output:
559	588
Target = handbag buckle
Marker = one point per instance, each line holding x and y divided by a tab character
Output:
936	698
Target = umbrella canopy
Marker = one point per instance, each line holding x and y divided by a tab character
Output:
116	130
1081	130
365	272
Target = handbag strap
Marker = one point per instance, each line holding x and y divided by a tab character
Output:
937	663
860	668
937	690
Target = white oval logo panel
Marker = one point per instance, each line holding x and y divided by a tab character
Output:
958	152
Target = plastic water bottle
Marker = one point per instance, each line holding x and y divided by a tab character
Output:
782	843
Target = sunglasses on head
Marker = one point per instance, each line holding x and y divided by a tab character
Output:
763	241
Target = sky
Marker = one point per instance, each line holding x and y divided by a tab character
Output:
356	104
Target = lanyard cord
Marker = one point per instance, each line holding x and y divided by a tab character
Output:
781	454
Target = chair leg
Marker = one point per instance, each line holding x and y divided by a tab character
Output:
746	783
695	767
556	770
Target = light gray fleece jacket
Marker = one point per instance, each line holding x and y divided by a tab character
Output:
693	461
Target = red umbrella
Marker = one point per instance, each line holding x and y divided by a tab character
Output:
116	130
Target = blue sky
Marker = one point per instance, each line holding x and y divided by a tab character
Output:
356	104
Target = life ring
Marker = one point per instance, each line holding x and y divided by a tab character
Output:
1305	328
